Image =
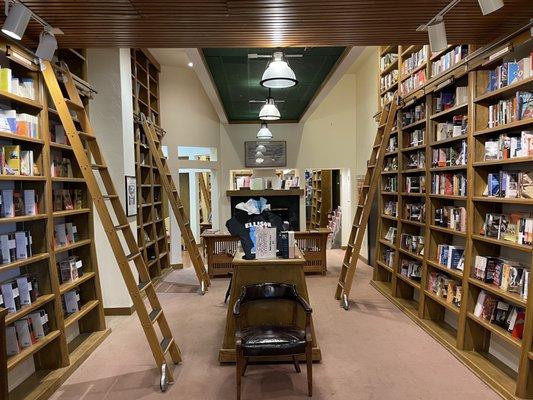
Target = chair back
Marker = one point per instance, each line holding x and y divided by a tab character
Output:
268	291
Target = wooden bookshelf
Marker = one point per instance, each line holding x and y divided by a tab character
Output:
151	212
52	356
321	198
388	67
473	340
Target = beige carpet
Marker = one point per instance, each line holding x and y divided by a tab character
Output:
372	352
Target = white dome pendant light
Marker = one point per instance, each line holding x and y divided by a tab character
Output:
278	74
269	111
264	133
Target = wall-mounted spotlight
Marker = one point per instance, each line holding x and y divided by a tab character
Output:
489	6
47	45
264	133
17	20
437	35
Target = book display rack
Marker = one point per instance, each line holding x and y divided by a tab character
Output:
454	247
321	198
151	212
48	273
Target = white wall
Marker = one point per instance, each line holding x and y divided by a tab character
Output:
109	71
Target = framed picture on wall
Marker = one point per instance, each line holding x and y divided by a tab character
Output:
131	196
265	154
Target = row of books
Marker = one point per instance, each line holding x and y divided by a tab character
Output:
19	292
276	183
451	217
391	234
448	184
65	234
16	246
391	164
452	257
444	287
411	269
412	243
414	82
17	203
517	108
21	124
450	97
26	331
415	60
61	167
390	184
14	161
510	184
453	155
414	114
416	159
387	60
415	184
416	137
509	73
393	144
390	208
21	86
498	312
68	199
58	135
387	81
70	269
415	211
386	98
450	129
507	275
509	145
448	59
515	227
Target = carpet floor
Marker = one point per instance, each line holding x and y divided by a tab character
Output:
371	352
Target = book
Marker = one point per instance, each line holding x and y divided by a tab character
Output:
265	242
7	210
60	235
66	200
30	202
40	323
12	159
12	344
18	203
26	163
72	301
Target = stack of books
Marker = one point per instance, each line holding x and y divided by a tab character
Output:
500	313
507	275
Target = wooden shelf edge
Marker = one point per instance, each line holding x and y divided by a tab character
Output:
83	311
13	361
41	301
20	263
65	287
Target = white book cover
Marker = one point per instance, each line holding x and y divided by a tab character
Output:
71	301
29	202
8	210
24	290
22	245
478	310
10	292
4	247
38	320
23	332
12	343
265	243
61	235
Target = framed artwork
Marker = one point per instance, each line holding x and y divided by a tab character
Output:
131	196
265	154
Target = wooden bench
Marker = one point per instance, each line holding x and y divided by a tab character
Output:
220	248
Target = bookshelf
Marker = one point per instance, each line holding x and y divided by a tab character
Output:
457	199
321	198
151	231
388	74
62	204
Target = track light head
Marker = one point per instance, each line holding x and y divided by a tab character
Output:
489	6
17	21
437	35
47	45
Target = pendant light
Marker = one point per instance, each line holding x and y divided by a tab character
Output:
47	45
264	133
278	74
16	21
269	111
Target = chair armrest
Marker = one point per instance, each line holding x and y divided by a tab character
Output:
238	334
308	330
237	307
304	304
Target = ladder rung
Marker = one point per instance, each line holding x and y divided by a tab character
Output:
144	285
346	265
155	314
133	256
377	146
110	196
75	106
166	343
86	135
341	284
120	227
350	245
371	166
356	226
98	166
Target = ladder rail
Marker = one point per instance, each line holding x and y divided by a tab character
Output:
63	107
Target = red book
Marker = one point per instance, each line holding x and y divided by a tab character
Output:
518	329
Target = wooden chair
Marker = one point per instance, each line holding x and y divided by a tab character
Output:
272	340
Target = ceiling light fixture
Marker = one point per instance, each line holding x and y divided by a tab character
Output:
17	20
47	45
269	111
264	133
489	6
278	74
437	35
190	65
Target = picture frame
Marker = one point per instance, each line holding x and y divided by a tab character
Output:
131	196
274	154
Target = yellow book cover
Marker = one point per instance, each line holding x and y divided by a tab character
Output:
12	155
5	79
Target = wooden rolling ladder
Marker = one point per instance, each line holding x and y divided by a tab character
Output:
362	212
154	143
92	162
205	195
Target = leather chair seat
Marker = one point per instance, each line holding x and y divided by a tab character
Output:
273	340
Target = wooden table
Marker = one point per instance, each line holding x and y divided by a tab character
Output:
249	272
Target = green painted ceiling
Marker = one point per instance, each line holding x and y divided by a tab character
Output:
237	79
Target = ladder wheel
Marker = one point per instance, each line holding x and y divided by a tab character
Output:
202	288
344	302
163	382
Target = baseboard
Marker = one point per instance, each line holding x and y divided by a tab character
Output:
177	266
363	259
109	311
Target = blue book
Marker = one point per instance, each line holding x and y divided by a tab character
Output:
493	183
513	72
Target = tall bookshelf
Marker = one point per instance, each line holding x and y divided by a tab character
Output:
502	360
388	74
37	370
321	198
151	231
